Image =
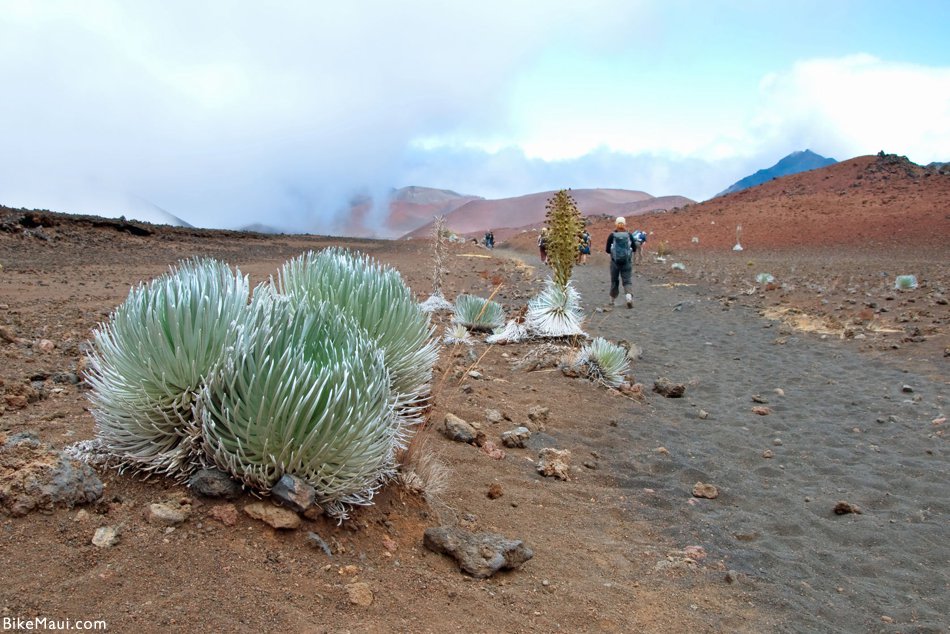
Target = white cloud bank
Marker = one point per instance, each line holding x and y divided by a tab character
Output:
857	105
229	113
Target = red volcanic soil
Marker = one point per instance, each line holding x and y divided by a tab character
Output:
868	202
823	390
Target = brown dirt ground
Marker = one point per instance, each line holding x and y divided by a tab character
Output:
596	553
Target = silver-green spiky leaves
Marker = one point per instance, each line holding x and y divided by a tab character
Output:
377	298
604	362
478	314
303	391
905	282
555	312
151	358
457	334
436	303
512	332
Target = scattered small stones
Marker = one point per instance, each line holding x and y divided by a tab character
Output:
492	450
664	387
761	410
756	398
274	516
539	414
907	389
779	391
631	389
454	428
570	371
493	416
214	483
495	491
359	593
768	453
479	554
554	463
34	476
167	513
225	513
708	491
7	335
45	345
315	541
516	438
294	493
703	414
844	508
105	537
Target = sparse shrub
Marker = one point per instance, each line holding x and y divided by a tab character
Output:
663	249
437	302
604	362
478	314
764	278
153	356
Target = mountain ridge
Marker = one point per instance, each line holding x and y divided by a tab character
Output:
794	163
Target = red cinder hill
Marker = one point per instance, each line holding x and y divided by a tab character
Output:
882	201
477	216
408	208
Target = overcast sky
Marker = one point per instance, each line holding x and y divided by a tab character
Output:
228	113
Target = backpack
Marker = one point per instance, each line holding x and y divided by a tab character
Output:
622	246
640	236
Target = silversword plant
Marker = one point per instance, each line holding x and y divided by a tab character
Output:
152	357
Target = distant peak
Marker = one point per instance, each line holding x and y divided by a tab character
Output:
794	163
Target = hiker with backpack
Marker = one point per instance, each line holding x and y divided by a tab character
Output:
543	244
639	237
584	248
621	246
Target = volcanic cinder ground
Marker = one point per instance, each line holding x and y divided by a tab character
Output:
826	386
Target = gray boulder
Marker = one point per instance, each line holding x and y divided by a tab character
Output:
479	554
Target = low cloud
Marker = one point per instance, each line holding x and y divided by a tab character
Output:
857	105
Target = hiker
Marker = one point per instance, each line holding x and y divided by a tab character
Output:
621	246
543	244
584	247
639	237
490	239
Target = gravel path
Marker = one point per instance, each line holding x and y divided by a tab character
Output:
841	427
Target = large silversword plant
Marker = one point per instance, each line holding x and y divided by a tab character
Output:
378	300
152	357
303	391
